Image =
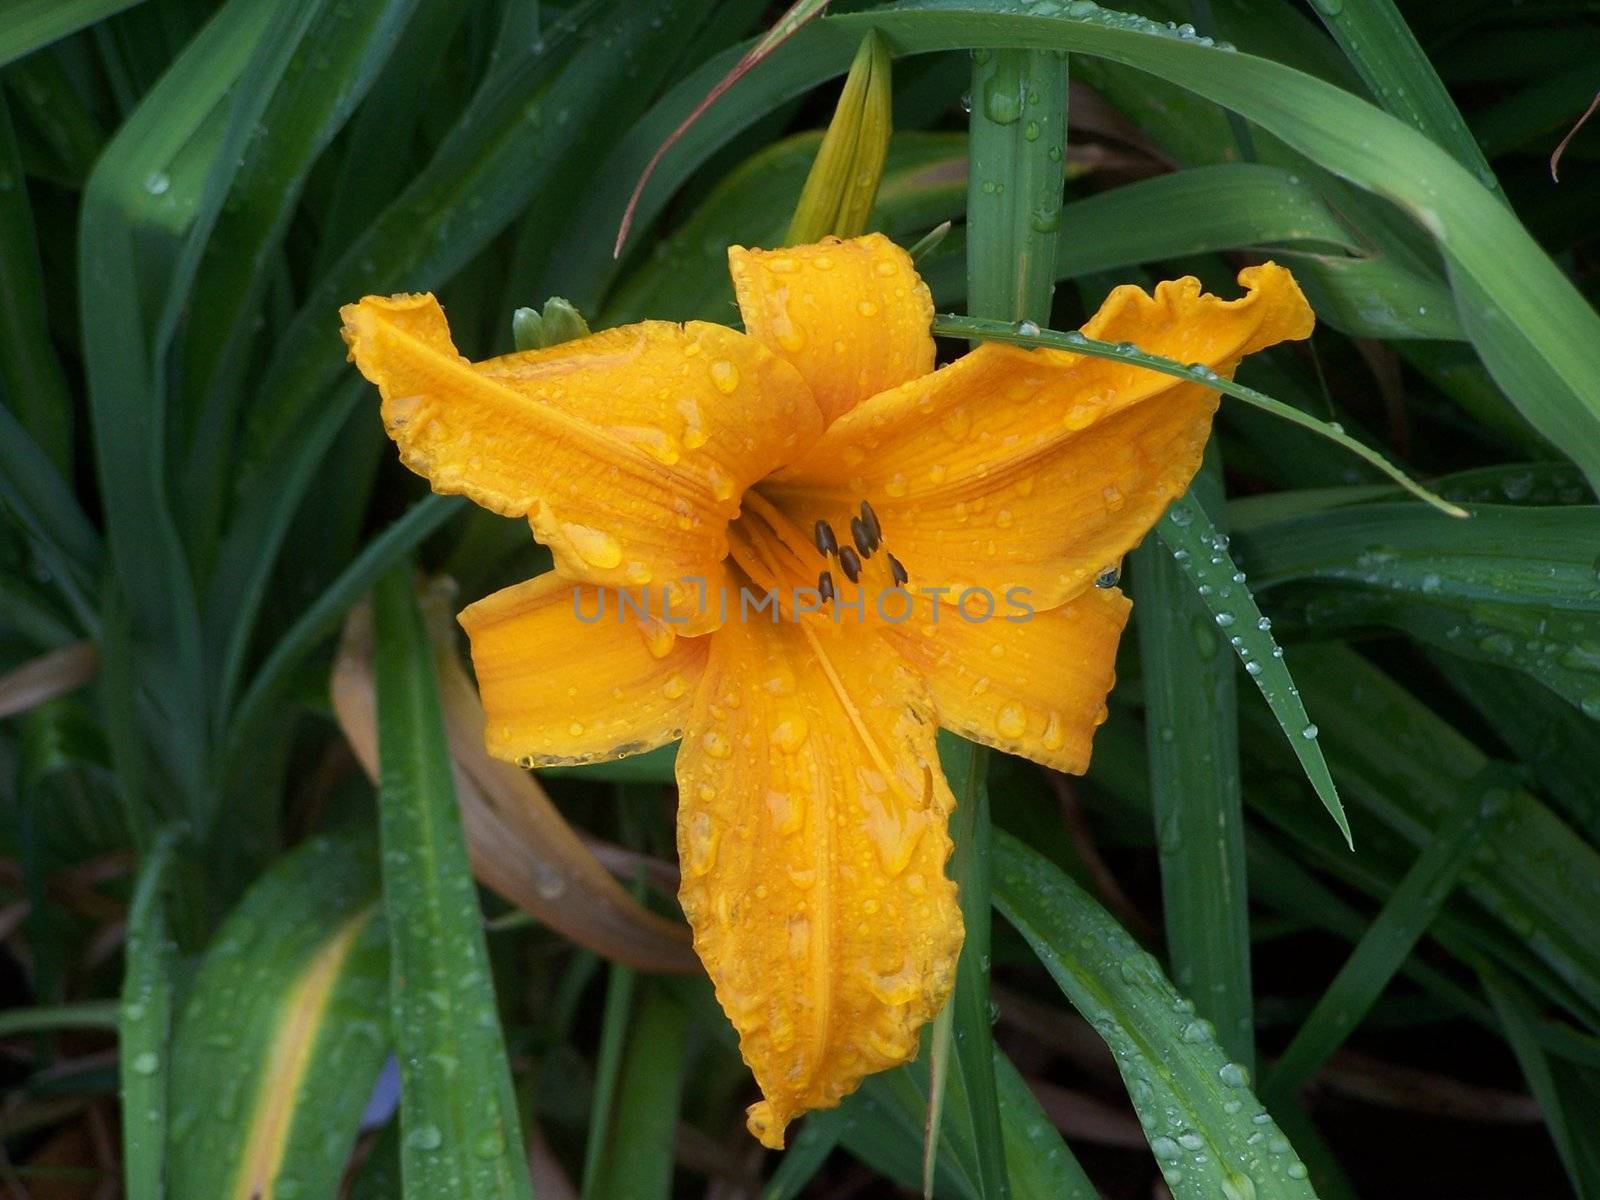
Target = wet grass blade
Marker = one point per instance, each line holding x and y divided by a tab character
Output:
1533	328
1386	54
461	1134
283	1032
1392	936
1192	739
1201	553
1210	1136
1076	343
1016	172
639	1121
971	1065
145	1029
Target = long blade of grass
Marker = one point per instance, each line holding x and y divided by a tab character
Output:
1201	553
972	1063
1028	335
297	102
1209	1134
1532	327
27	25
1386	54
41	503
284	1031
1192	736
1390	939
1567	1094
636	1129
461	1135
31	380
1543	876
324	614
785	27
145	1030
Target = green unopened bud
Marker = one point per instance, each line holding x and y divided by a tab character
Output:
560	322
843	184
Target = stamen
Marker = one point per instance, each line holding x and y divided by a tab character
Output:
850	564
898	571
822	533
825	585
870	520
862	537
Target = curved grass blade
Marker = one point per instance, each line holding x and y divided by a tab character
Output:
1209	1134
283	1032
460	1131
1386	54
145	1028
1076	343
785	27
322	618
1534	329
686	275
1543	882
28	25
31	381
1392	936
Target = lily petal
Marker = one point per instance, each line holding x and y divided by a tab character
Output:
853	316
628	450
812	836
1010	468
1032	684
565	678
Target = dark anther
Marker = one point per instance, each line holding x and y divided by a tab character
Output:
862	536
849	564
897	569
870	520
822	533
825	585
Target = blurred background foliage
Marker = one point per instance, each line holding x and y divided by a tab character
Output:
241	778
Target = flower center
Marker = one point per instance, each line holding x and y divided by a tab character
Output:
819	573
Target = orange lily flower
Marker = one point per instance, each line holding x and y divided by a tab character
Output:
817	452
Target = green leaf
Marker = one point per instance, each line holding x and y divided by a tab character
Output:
1392	936
460	1131
31	381
686	275
145	1032
1534	330
1016	171
1192	736
638	1126
1386	54
324	614
283	1032
1514	586
1567	1093
1024	334
1202	555
1209	1134
1404	767
26	25
972	1075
